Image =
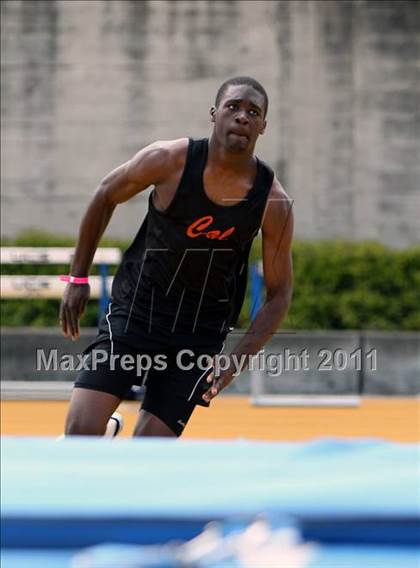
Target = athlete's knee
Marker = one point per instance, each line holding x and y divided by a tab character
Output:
79	425
89	412
149	425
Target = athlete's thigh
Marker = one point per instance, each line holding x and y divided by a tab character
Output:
173	392
99	388
106	369
150	425
186	372
163	413
89	411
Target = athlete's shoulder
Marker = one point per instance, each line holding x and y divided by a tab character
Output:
277	191
159	159
279	207
171	150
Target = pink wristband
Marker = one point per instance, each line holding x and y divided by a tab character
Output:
75	279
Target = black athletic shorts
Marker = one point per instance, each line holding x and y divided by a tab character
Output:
174	377
173	372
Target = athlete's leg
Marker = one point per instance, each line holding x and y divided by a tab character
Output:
89	412
99	389
163	413
171	396
150	425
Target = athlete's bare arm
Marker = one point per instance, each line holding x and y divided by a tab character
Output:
160	164
277	232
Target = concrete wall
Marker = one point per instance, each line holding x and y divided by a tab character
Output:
86	84
394	369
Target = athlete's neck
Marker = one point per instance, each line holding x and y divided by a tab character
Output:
220	157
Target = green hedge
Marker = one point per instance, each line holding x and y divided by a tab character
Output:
343	285
338	285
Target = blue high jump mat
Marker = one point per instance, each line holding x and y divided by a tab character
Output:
327	556
83	491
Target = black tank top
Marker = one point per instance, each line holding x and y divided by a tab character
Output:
183	278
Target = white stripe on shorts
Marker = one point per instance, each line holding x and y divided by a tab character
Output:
109	328
202	374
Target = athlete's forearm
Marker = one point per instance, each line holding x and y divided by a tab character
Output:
92	227
263	327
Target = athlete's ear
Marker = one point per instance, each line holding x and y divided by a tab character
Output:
212	114
263	127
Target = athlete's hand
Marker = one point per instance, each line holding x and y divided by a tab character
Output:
72	308
218	384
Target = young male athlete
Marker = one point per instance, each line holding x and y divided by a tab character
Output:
181	283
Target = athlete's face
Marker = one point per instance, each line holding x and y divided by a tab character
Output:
239	118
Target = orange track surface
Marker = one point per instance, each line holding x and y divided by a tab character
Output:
396	419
